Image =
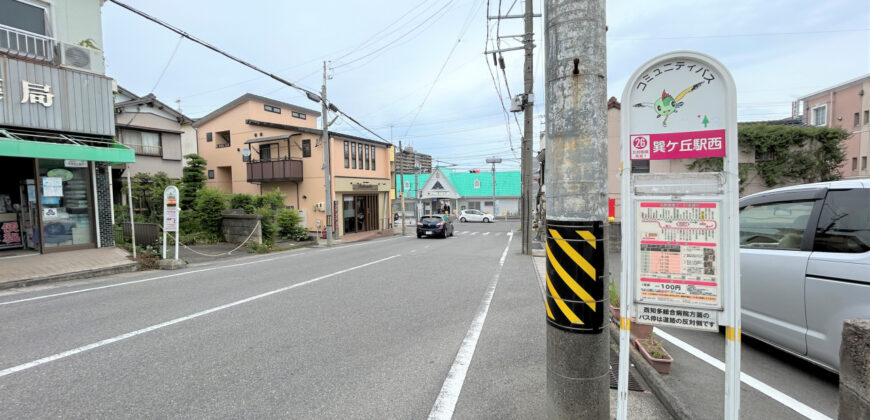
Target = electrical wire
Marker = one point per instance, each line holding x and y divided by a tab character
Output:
495	84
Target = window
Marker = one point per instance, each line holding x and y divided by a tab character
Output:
306	148
844	223
820	114
487	203
353	155
407	185
857	119
775	225
863	162
640	166
346	155
211	174
854	163
223	139
866	117
373	158
476	183
299	115
474	205
368	164
144	143
265	153
270	108
208	137
24	16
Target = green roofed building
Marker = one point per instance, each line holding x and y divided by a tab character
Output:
454	191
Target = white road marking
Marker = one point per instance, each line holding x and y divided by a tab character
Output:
485	233
131	334
126	283
762	387
474	233
449	395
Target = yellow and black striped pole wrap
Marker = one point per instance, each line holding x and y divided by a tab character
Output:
576	276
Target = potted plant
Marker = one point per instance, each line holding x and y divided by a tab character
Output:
637	330
655	354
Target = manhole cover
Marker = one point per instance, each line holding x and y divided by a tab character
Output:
633	384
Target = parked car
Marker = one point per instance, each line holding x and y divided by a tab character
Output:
473	215
805	266
435	225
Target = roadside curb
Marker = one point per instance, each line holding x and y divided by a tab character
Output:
666	396
97	272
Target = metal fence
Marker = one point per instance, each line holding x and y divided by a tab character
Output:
16	42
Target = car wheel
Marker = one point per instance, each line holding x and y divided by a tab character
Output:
485	220
462	219
419	236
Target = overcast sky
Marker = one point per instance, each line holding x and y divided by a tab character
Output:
419	66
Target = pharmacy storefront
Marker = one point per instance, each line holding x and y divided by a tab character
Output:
56	146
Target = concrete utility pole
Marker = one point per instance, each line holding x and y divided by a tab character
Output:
578	352
493	161
416	188
526	155
401	179
327	174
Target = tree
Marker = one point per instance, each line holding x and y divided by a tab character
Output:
192	180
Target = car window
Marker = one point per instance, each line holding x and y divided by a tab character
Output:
844	223
774	225
431	220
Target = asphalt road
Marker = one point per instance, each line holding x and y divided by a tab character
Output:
366	330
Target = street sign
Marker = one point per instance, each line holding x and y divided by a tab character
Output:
171	213
680	230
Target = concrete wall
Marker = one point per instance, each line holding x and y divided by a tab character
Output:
855	370
77	20
237	227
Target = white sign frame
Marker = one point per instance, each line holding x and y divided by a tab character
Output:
171	215
696	189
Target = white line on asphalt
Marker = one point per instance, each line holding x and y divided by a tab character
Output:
126	283
485	233
474	233
762	387
131	334
449	395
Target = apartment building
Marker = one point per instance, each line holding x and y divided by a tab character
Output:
846	105
255	144
56	127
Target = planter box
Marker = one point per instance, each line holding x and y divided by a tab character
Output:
662	366
637	330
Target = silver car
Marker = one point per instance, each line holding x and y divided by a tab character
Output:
805	266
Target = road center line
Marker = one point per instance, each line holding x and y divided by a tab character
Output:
132	334
762	387
449	395
184	273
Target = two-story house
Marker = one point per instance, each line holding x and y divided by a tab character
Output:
159	135
56	127
255	144
846	105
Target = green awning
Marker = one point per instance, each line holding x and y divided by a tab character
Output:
110	152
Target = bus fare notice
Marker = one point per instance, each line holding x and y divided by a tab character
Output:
678	253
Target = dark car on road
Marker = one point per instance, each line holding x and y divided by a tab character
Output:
435	225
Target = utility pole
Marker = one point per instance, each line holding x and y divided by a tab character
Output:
578	352
327	157
526	155
416	187
401	179
493	160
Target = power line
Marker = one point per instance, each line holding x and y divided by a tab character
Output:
311	95
756	34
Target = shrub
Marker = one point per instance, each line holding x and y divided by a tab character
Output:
271	200
242	201
210	204
267	224
148	260
288	225
259	248
193	179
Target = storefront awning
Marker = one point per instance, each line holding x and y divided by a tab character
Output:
63	146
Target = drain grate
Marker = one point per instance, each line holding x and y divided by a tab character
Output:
633	384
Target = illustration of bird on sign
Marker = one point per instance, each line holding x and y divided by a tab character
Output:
667	104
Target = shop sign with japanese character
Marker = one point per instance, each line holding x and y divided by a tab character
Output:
677	112
668	316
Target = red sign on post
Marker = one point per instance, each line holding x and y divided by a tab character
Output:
688	145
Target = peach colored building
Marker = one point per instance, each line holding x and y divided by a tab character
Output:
284	151
847	106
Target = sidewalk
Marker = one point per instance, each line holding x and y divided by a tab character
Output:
641	405
26	270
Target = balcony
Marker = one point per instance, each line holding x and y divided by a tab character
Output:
23	44
274	170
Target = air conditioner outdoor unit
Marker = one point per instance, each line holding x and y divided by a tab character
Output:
81	58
